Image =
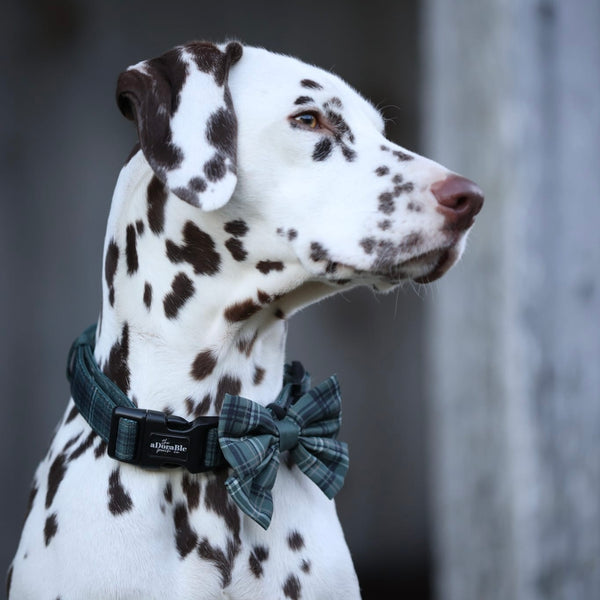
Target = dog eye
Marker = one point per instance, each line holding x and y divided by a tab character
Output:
308	119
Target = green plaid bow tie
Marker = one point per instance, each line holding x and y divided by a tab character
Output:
252	438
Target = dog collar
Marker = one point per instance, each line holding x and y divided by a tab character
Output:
247	437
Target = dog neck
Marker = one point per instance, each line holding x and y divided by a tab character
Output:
194	303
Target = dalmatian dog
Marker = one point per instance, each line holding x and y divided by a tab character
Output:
260	185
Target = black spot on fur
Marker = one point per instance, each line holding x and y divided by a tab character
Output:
381	171
182	289
117	368
236	249
310	84
240	311
156	196
295	541
131	250
139	227
259	375
305	566
303	100
237	228
71	442
185	537
227	385
266	266
148	295
191	489
110	268
414	207
322	149
258	555
292	234
50	528
56	473
279	314
119	501
203	365
384	225
198	249
317	252
291	587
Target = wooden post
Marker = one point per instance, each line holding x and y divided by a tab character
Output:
512	100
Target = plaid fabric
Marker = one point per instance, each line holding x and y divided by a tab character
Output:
95	395
252	438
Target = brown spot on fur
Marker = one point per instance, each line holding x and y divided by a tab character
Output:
203	365
185	536
227	385
258	555
295	541
182	289
245	345
236	249
266	266
110	268
202	407
317	252
156	196
56	473
148	295
259	375
119	501
191	488
240	311
50	528
198	249
237	228
117	368
131	255
291	587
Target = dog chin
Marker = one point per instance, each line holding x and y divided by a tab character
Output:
423	268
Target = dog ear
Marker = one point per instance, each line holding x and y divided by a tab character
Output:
185	119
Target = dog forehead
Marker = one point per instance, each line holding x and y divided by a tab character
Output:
267	79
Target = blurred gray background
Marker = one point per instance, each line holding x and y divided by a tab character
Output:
472	406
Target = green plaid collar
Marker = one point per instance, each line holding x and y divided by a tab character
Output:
247	437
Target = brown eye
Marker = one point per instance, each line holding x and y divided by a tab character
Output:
308	119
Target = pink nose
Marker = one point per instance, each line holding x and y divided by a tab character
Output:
459	200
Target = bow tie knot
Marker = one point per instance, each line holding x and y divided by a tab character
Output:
252	438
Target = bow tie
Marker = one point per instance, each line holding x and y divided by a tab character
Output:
252	438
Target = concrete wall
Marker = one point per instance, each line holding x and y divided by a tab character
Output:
512	94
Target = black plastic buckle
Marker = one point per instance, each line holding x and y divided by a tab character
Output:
164	440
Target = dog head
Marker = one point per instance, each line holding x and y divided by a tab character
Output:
305	155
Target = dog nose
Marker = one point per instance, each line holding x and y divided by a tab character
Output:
459	200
